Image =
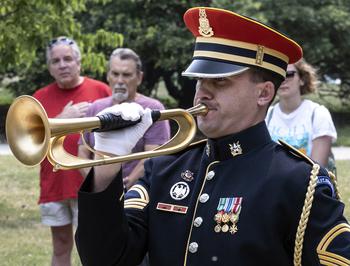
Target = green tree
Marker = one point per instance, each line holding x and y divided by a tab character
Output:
322	28
155	29
28	25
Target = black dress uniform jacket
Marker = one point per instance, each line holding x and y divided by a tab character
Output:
175	213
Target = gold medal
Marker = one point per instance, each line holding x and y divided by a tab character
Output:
233	218
217	228
233	229
225	218
218	217
225	228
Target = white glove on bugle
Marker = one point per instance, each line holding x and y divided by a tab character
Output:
122	141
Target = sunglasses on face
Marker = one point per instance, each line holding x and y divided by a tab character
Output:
64	40
290	74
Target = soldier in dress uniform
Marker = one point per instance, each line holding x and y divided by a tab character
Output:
236	198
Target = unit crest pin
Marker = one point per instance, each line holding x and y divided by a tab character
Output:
187	175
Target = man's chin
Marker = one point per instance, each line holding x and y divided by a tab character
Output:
66	82
120	97
206	129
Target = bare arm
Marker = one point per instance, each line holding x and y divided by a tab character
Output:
138	171
321	148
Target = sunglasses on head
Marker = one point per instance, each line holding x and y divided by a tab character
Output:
64	40
290	74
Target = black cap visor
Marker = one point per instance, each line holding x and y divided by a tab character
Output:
204	68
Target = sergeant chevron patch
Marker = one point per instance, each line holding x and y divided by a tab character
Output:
327	257
136	198
135	204
141	191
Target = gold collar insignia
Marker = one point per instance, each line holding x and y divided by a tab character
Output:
235	149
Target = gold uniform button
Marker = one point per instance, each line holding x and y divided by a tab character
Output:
214	258
193	247
210	175
204	198
198	221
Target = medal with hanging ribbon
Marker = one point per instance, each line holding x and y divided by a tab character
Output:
227	215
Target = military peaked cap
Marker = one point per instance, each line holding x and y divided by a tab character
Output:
228	44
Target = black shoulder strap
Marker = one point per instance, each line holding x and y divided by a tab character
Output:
295	151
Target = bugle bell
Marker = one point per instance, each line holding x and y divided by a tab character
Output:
32	136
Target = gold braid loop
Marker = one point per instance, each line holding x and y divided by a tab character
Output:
335	184
299	238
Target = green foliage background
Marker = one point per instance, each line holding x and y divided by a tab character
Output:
154	28
28	25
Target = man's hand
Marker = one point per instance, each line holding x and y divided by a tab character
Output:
74	110
121	142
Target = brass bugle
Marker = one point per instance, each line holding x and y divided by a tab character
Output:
32	136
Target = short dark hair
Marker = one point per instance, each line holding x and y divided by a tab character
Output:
261	75
126	54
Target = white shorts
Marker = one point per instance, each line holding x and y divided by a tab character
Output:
59	213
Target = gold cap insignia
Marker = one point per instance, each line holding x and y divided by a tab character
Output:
204	27
259	55
235	149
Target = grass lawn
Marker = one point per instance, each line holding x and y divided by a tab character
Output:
24	241
343	136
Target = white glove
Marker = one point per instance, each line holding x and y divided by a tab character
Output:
122	141
128	111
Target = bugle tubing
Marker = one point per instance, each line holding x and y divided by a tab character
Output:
32	135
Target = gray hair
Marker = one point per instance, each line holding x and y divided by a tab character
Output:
126	54
63	40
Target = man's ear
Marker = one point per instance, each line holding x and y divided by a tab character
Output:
79	67
140	78
266	92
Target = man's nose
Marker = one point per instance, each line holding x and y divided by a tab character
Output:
120	79
62	63
202	91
